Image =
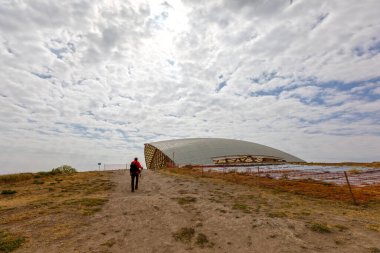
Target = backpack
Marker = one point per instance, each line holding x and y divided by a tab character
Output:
133	168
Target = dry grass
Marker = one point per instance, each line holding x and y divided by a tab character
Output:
55	206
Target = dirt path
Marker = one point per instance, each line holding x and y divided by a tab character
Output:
230	218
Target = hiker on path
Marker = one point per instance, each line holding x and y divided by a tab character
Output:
135	169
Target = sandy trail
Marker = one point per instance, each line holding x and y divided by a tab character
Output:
144	221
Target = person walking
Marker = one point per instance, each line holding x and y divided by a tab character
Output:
135	169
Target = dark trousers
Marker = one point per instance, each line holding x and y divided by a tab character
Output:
133	176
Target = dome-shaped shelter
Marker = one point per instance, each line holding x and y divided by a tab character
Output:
211	151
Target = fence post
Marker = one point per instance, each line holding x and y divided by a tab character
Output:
349	187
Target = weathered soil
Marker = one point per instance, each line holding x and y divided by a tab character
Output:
217	216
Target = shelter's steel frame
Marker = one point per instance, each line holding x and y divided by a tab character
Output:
246	159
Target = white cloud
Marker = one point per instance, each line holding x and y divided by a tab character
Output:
84	82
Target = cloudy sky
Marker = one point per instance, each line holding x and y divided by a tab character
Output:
86	81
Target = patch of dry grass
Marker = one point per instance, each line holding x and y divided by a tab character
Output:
320	228
186	200
9	242
86	206
242	207
56	207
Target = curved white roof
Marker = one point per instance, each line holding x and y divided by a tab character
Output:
202	150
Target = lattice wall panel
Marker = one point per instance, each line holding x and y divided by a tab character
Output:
149	153
155	159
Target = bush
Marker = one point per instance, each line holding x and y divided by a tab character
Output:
64	169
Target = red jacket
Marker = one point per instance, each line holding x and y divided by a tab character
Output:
138	166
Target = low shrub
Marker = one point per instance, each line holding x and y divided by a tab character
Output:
8	192
64	169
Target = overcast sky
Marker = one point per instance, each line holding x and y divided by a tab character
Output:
89	81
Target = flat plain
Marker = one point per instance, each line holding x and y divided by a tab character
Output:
174	212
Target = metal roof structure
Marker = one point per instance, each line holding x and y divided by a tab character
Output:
205	151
